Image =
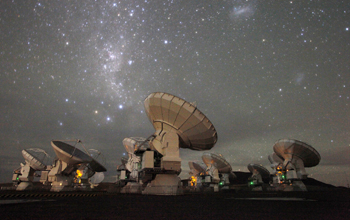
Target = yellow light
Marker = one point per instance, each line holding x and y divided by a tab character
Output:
193	181
79	174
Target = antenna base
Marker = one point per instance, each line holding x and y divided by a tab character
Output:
164	184
24	186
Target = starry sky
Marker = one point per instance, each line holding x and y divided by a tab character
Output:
259	70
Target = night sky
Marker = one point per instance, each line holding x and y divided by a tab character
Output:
260	70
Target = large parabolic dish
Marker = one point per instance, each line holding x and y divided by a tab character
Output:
196	168
134	144
218	161
69	154
73	156
33	160
259	169
97	178
172	114
96	165
289	149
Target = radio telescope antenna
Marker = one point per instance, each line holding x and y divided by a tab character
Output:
258	169
297	155
121	171
90	170
36	159
70	159
217	164
196	168
132	145
196	171
259	174
178	124
135	147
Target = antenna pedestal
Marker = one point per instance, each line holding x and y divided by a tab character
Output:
26	178
295	168
164	184
62	183
27	173
57	179
257	178
291	174
132	187
24	186
298	185
300	169
214	173
171	151
215	187
168	183
133	166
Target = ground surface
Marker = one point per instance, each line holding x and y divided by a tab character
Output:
227	205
